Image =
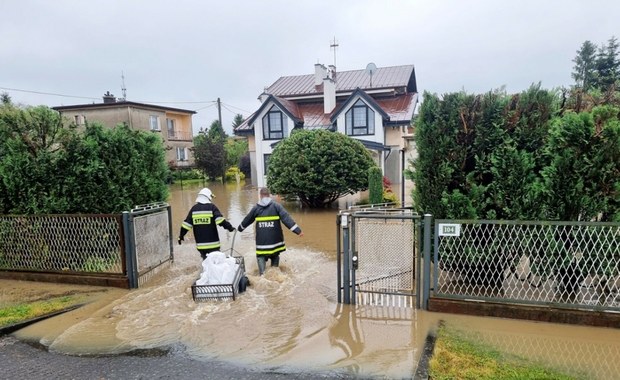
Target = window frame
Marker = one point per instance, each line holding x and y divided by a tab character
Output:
171	131
267	129
154	119
350	121
266	157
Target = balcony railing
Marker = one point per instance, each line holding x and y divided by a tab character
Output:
180	136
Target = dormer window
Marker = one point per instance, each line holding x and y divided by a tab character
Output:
360	120
274	124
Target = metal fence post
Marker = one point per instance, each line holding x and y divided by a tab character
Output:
338	258
346	262
418	261
354	261
169	210
427	260
130	250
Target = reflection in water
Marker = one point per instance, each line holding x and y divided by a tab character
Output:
288	318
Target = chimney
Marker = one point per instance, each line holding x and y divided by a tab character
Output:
329	95
332	71
109	98
320	72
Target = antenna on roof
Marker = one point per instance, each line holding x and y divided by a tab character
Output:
370	69
334	45
124	90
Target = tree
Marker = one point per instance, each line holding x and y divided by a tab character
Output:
209	151
607	65
237	121
5	99
375	185
479	154
318	166
584	71
582	178
235	149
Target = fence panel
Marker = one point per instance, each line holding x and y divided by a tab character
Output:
62	243
382	252
561	263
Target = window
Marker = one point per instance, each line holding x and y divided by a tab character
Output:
182	154
266	163
274	124
170	123
360	120
154	122
80	120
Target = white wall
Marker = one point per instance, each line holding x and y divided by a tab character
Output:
264	146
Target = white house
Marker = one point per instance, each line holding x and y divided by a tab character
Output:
377	110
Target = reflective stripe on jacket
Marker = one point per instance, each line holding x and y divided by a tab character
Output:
269	219
203	219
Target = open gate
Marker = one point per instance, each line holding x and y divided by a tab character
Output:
378	257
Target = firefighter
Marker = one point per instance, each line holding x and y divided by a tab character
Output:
269	237
203	218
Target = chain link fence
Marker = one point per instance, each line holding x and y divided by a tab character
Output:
572	264
62	243
121	250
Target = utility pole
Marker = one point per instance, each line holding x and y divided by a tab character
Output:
219	112
219	117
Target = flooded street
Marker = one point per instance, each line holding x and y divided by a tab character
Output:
289	319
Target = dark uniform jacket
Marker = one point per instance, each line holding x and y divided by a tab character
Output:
204	218
269	215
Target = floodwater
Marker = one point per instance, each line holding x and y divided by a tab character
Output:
289	319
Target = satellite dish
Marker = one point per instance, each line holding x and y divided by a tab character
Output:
371	68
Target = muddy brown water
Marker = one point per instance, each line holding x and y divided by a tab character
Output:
289	318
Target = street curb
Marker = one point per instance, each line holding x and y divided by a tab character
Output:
421	372
20	325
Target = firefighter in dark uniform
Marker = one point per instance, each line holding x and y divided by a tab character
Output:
203	218
269	217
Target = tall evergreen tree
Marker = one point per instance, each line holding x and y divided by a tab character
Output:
584	71
237	120
608	64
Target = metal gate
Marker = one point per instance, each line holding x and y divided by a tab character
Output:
378	257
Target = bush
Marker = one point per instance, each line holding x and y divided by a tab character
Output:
375	185
318	166
48	169
232	173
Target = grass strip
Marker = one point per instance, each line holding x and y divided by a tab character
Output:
12	314
456	357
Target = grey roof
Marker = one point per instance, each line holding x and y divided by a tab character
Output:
384	77
121	104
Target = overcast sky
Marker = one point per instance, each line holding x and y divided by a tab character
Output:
197	51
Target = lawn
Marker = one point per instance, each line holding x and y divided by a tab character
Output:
458	357
12	314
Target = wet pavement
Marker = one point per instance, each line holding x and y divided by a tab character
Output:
19	360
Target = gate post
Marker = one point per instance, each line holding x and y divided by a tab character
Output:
170	233
130	250
346	261
338	258
427	261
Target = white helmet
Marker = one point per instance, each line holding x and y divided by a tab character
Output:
204	196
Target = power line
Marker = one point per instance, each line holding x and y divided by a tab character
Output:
47	93
205	107
240	109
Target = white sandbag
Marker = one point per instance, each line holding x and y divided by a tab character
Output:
217	269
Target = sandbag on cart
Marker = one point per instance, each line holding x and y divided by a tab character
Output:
222	278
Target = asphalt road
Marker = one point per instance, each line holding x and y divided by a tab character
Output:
22	361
